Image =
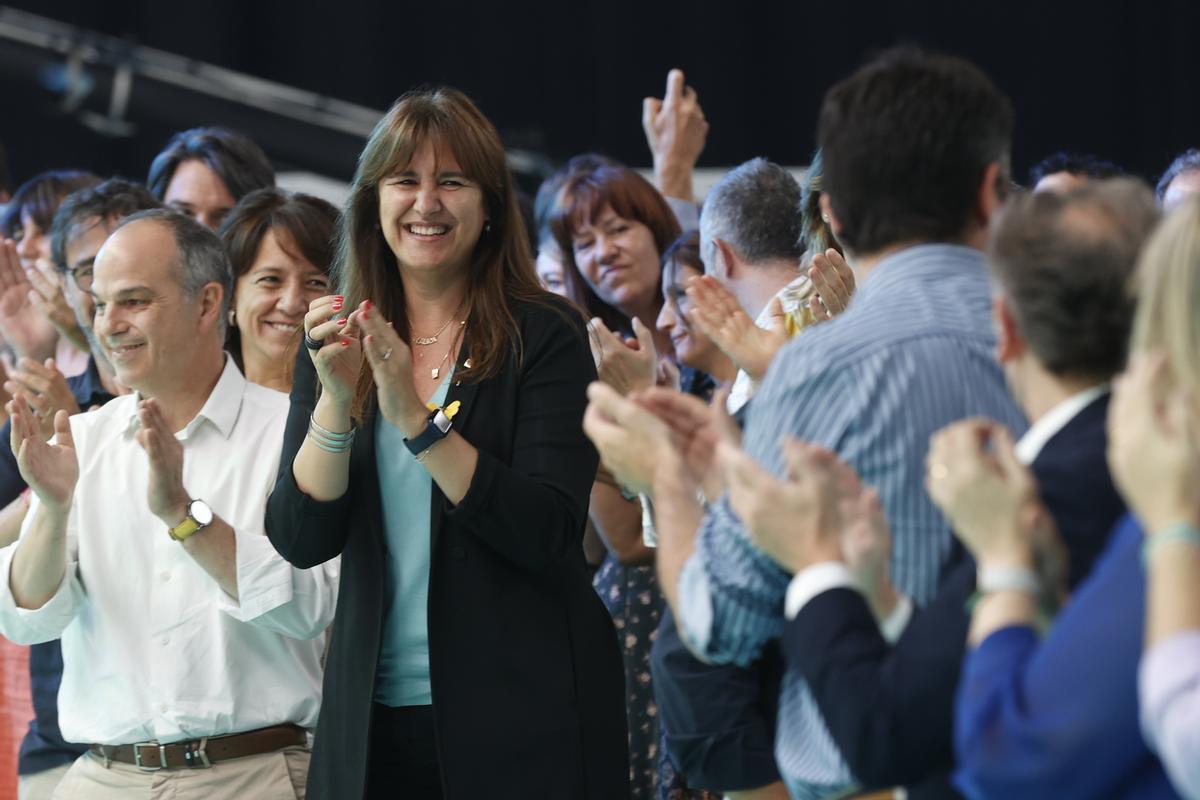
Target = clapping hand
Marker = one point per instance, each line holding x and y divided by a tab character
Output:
717	314
834	281
627	366
676	131
166	495
798	520
26	330
50	468
629	438
339	358
390	358
696	430
989	497
1153	449
45	389
48	298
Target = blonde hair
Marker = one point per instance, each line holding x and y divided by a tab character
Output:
1168	281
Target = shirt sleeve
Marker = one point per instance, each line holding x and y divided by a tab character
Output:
1059	717
276	596
33	626
738	606
1169	683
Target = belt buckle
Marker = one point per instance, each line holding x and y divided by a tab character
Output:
197	751
162	756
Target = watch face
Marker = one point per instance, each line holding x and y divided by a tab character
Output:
201	512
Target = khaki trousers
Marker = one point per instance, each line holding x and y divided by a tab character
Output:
280	775
41	785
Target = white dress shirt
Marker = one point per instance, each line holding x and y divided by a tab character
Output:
153	648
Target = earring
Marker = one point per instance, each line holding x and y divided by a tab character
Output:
232	318
825	217
487	226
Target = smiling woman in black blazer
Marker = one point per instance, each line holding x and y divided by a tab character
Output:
470	657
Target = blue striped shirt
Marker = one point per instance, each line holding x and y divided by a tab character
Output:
911	354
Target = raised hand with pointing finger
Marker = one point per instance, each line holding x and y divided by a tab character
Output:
676	132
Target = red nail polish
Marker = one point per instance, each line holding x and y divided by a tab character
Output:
337	306
366	304
338	298
342	321
365	315
345	342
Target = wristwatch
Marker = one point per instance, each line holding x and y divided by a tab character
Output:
437	425
199	516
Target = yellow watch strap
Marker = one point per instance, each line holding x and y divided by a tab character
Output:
184	529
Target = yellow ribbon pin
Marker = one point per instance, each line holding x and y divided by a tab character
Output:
449	410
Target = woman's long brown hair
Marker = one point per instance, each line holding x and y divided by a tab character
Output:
501	269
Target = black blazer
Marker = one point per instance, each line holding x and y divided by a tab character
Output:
890	709
527	680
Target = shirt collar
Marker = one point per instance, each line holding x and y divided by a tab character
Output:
929	260
1044	429
801	284
221	408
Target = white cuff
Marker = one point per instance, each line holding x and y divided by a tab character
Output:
812	581
695	618
893	627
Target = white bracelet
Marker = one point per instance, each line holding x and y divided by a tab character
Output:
1008	579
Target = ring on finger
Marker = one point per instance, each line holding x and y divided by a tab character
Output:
312	344
386	354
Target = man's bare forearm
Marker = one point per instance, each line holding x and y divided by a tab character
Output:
40	562
215	550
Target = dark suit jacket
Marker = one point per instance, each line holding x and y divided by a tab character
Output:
890	708
528	687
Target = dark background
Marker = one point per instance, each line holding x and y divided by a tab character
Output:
1116	78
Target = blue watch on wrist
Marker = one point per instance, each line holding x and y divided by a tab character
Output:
436	428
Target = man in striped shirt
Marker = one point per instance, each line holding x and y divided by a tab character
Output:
916	164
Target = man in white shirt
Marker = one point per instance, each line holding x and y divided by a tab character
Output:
191	650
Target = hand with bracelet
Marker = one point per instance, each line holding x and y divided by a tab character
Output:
332	342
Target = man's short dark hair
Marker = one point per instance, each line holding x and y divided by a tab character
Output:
906	140
201	256
107	202
1064	261
1188	161
238	161
755	207
1083	165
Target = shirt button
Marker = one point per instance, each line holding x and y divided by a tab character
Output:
166	640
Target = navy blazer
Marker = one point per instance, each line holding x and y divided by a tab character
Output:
890	709
528	685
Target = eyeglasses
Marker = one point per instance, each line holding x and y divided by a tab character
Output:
82	278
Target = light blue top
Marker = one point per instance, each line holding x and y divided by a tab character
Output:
911	354
406	488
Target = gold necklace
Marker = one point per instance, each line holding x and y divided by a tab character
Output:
433	373
425	341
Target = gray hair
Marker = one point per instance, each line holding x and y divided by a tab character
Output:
755	208
201	257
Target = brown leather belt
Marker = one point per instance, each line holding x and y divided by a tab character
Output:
198	753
